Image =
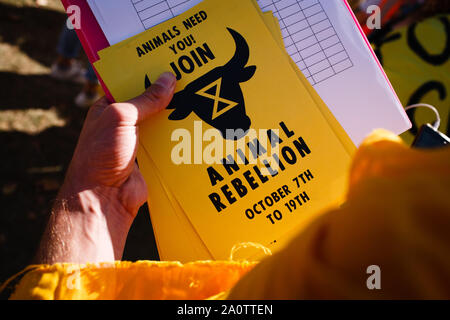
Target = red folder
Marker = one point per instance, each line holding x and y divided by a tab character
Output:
91	36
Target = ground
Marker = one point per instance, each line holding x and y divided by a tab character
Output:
39	127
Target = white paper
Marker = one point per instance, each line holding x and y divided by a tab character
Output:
322	38
334	56
122	19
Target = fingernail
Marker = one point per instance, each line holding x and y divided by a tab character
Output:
166	80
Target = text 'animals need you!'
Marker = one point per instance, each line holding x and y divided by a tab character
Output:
186	63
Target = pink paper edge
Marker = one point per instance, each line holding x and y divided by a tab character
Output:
91	37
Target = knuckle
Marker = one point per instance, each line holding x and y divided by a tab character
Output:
118	112
156	94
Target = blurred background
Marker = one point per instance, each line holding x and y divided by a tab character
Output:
41	111
39	127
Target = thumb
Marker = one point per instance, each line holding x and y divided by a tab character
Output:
156	98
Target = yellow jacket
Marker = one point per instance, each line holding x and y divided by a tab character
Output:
396	217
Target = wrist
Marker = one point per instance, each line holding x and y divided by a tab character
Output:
100	203
85	226
95	200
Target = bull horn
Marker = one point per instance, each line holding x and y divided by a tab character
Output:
242	53
147	82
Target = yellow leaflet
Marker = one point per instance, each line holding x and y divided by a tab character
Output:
243	206
168	218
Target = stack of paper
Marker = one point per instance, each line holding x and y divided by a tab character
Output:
322	37
286	162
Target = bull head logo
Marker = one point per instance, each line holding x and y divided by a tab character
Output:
216	97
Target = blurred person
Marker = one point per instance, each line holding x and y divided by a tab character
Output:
432	7
360	8
395	13
67	67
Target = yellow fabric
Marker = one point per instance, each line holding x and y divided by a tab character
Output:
397	216
419	77
126	280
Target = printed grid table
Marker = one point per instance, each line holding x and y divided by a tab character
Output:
310	38
152	12
308	33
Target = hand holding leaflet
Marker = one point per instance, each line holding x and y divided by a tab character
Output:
224	203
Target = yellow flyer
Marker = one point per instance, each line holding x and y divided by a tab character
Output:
243	147
168	218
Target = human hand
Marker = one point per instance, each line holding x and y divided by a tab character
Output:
103	189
